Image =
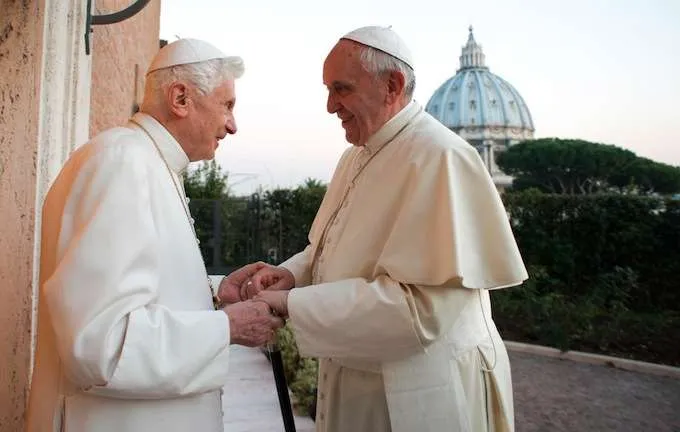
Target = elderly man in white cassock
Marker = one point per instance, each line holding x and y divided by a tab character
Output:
392	293
129	338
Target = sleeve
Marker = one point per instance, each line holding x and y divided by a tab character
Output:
300	265
215	281
112	336
379	320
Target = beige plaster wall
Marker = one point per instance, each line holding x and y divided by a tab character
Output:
121	53
38	128
20	64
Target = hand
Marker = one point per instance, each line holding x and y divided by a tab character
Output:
267	277
251	323
277	300
230	288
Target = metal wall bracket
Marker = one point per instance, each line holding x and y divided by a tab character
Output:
111	18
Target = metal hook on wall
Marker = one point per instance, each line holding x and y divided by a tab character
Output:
111	18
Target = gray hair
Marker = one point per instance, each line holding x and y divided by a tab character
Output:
378	62
206	75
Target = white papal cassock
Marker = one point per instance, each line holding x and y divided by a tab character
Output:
409	238
127	336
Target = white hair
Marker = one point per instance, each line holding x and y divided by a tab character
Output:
206	75
378	62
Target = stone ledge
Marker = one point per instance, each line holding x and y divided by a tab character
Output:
597	359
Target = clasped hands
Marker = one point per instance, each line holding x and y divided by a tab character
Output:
256	299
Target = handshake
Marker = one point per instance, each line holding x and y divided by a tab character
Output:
255	298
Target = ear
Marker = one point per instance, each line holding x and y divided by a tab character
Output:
178	99
395	86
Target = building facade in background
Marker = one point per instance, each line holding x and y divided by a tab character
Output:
483	108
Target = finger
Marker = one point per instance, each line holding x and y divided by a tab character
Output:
242	293
275	301
280	285
241	275
245	289
264	300
259	279
236	278
257	266
277	322
268	310
275	305
252	288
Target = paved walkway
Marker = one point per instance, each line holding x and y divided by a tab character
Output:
563	395
250	401
550	395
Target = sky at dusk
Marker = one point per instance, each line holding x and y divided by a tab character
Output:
601	70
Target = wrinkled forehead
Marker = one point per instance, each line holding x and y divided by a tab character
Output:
343	63
226	89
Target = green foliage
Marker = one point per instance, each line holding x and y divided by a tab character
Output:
301	372
265	226
560	166
603	268
651	176
292	216
580	239
206	182
602	274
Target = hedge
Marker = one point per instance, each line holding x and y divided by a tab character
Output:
603	269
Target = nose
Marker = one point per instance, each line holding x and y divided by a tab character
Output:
231	125
331	104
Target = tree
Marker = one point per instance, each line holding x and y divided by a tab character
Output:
650	176
210	208
291	213
206	182
580	167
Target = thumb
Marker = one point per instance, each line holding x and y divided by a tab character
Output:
264	297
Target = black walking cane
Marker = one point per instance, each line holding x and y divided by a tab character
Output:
274	351
274	354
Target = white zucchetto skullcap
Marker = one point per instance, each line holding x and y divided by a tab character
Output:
185	51
384	39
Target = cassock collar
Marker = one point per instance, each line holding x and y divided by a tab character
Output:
167	144
392	127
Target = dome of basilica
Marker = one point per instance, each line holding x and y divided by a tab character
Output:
483	108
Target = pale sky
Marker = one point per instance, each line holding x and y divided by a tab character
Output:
600	70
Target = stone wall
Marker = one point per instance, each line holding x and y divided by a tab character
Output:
121	53
21	24
44	114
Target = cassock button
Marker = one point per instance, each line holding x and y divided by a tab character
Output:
322	416
192	221
188	200
322	396
198	241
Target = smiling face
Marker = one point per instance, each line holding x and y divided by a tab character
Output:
360	99
202	120
210	119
